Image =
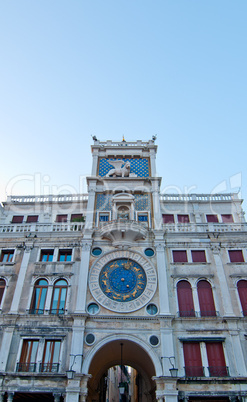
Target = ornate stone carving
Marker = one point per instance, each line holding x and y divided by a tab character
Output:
119	170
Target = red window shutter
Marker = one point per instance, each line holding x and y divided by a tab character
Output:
76	216
185	299
32	218
183	219
227	218
242	291
61	218
236	255
198	256
192	359
179	256
212	218
216	359
17	219
206	300
168	218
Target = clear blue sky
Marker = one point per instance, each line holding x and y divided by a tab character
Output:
75	68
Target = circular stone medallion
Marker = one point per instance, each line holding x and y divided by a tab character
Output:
122	281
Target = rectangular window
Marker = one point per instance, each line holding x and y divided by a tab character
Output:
183	219
192	359
104	218
7	255
216	359
77	218
51	357
212	218
179	256
236	255
64	255
168	218
46	255
61	218
32	218
17	219
227	218
198	255
28	356
142	218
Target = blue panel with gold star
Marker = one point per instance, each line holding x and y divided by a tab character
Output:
122	280
138	166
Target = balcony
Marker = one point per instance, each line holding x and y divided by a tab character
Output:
42	227
194	371
204	227
49	367
26	367
199	314
123	232
218	371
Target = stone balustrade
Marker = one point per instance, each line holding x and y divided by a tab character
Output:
42	227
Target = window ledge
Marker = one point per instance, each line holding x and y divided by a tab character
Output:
190	263
7	263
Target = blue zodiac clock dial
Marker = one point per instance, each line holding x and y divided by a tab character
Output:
122	280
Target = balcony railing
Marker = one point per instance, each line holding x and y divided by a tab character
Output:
59	311
194	371
204	227
49	367
199	314
26	367
218	371
184	313
42	227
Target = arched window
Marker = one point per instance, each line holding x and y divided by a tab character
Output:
242	291
185	299
59	297
39	296
2	288
206	300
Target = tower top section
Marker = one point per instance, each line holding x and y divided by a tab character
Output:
138	157
123	145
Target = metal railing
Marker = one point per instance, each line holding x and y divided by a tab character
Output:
26	367
194	371
49	367
218	371
198	314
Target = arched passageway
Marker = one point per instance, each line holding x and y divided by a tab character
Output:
133	355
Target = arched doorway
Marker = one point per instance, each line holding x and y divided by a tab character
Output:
134	355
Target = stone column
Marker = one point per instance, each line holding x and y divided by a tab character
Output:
57	397
83	277
157	216
21	279
162	279
10	396
5	347
225	294
167	347
90	204
77	345
240	365
153	163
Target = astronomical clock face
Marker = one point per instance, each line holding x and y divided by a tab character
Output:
122	281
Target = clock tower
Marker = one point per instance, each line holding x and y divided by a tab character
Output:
124	265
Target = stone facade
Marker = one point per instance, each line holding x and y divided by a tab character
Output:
162	274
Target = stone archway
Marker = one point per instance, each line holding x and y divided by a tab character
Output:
135	354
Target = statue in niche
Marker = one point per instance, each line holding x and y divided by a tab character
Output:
119	170
123	214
